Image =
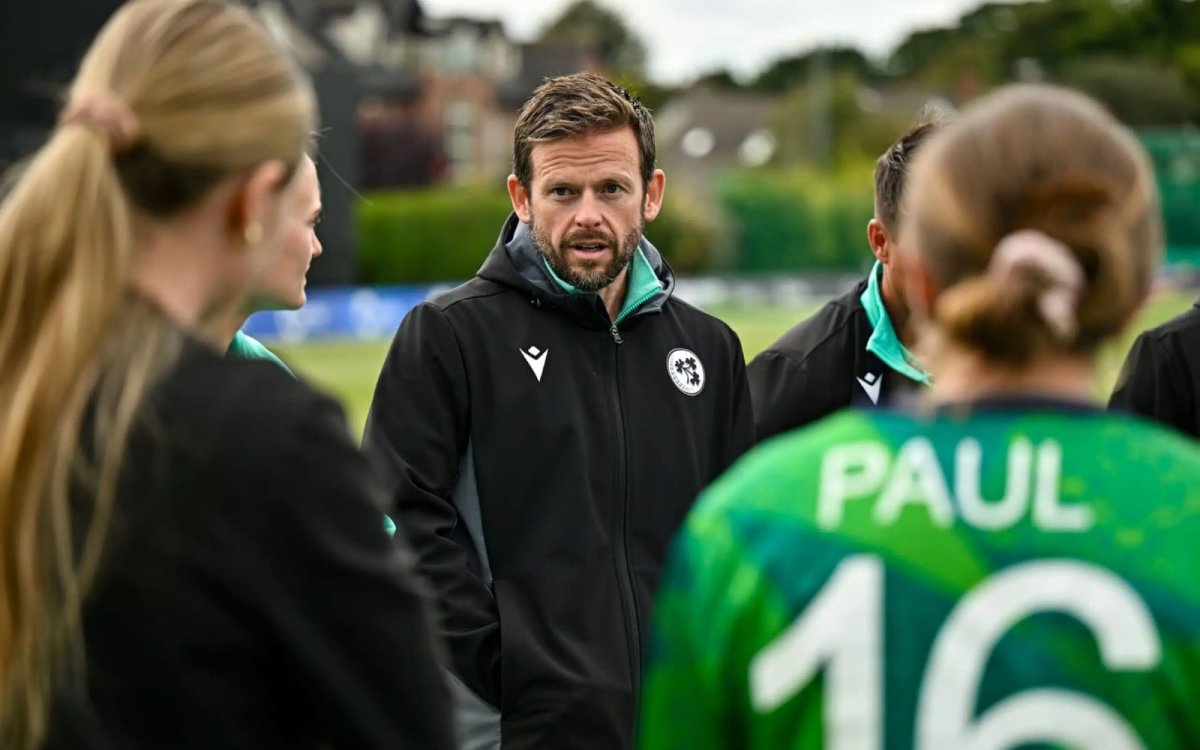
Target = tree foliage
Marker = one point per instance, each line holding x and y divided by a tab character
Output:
587	23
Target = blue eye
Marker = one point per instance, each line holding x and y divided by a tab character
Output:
612	188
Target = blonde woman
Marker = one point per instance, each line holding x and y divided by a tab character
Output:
282	284
191	556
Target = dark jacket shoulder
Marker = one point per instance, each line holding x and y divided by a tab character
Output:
819	334
1160	379
1184	326
808	372
692	313
476	289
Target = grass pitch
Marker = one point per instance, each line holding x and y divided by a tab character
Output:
348	369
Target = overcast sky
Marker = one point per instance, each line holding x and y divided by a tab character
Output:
686	38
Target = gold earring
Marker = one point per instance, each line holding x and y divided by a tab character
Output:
253	233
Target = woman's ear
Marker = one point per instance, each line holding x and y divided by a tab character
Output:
255	205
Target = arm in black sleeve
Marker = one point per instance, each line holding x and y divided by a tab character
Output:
418	428
742	420
783	393
343	601
1154	384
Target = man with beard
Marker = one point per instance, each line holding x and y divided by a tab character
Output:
548	424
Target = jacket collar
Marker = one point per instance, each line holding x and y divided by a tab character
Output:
515	261
884	343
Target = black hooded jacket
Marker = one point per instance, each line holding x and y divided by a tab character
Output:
1161	376
542	458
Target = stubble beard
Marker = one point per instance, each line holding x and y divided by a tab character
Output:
588	280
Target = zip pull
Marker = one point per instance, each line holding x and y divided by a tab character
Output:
616	334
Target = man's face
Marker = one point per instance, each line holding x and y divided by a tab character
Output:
586	205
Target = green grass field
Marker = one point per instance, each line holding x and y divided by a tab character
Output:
349	369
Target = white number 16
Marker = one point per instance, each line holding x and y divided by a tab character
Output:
842	630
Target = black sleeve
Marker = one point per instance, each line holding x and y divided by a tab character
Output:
342	599
418	427
742	419
1154	383
784	394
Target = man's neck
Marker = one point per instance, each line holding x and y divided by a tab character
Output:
896	308
613	295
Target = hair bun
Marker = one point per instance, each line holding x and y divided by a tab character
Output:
1054	263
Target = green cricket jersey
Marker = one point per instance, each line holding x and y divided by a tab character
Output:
1020	576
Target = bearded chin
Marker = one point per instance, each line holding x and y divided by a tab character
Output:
588	281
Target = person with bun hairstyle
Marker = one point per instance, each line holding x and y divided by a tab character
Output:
190	543
1008	565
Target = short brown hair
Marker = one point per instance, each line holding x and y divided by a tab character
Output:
1043	158
891	169
577	105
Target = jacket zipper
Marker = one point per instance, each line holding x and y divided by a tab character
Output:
624	567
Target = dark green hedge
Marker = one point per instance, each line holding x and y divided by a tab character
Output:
444	234
428	235
792	222
764	222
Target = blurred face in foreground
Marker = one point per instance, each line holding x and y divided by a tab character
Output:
587	206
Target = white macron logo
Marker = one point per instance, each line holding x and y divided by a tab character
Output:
871	383
536	360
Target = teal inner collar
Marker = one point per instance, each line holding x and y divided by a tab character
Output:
644	284
884	343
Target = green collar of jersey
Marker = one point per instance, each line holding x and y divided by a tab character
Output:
884	343
247	347
644	284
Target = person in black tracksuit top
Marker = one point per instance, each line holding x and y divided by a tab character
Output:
850	352
1161	376
548	425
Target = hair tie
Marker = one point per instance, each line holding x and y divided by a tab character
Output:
1037	251
107	115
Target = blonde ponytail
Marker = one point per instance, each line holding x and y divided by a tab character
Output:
79	353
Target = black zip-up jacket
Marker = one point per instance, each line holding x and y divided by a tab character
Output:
820	366
543	458
1161	376
249	598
